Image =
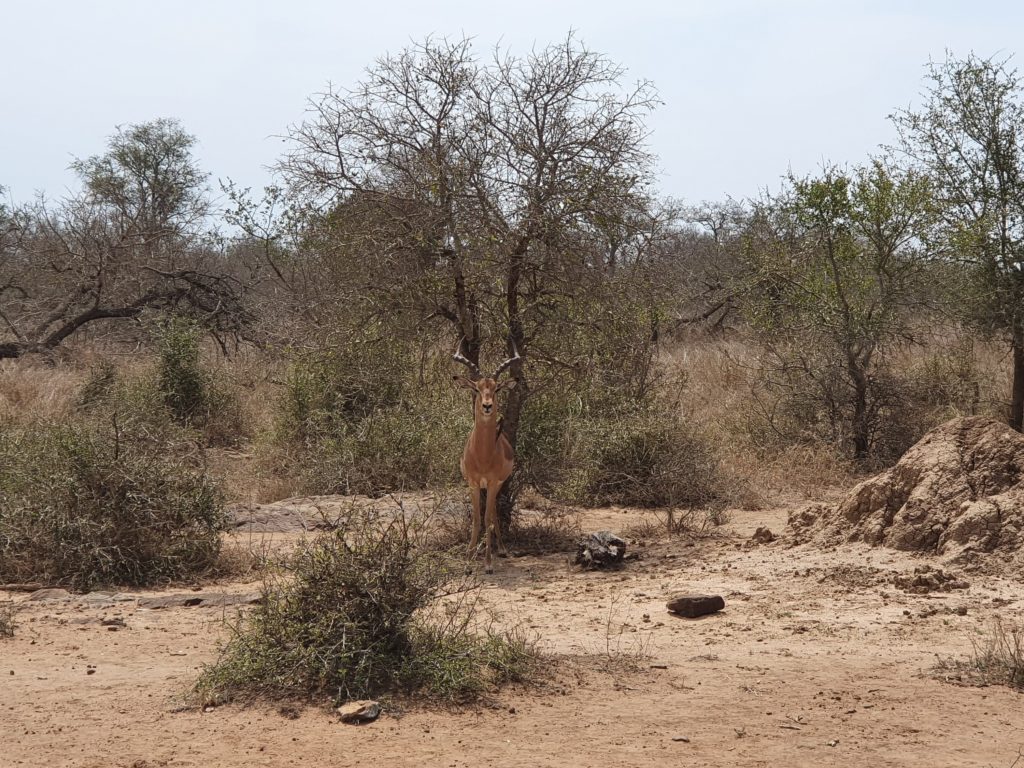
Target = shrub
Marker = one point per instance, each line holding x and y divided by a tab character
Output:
649	459
354	420
193	395
329	389
99	386
7	623
104	501
358	612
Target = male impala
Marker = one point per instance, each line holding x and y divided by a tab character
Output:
487	460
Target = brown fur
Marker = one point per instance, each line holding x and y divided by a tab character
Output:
487	462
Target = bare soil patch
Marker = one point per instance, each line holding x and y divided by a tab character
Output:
802	668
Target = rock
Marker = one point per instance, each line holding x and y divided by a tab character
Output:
105	598
692	606
204	600
32	586
763	536
600	550
365	711
958	493
49	594
926	579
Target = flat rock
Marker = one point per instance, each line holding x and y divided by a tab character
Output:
364	711
49	594
106	597
692	606
199	600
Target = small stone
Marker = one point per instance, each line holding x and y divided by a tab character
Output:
365	711
684	739
90	671
692	606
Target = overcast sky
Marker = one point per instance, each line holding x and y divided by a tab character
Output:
750	88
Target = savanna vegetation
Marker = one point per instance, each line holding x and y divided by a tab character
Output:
164	348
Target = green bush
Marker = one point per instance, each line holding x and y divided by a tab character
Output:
104	501
647	459
358	612
329	389
356	420
194	396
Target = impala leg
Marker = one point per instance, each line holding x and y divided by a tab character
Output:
492	524
502	552
474	540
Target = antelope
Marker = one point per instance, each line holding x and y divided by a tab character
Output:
487	460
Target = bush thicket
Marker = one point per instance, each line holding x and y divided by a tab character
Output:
104	500
365	611
194	396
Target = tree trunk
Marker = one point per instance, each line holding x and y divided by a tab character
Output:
1017	397
861	427
518	395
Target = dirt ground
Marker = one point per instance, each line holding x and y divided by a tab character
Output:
818	659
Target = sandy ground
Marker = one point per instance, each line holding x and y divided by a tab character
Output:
817	660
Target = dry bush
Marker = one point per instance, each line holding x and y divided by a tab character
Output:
367	419
365	610
645	459
104	500
7	623
997	658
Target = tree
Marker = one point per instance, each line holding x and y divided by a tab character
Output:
148	180
504	201
833	264
132	241
969	138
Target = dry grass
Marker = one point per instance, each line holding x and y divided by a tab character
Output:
713	379
717	388
997	658
31	390
716	383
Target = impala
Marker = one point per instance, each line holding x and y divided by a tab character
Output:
488	459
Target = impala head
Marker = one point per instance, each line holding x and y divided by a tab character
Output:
484	387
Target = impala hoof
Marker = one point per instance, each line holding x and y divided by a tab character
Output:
488	570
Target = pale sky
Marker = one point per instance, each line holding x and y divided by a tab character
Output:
750	89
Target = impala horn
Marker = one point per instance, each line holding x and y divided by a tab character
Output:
507	363
458	357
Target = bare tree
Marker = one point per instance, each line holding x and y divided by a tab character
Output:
132	241
506	199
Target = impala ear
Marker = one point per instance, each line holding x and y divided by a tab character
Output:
465	383
506	384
